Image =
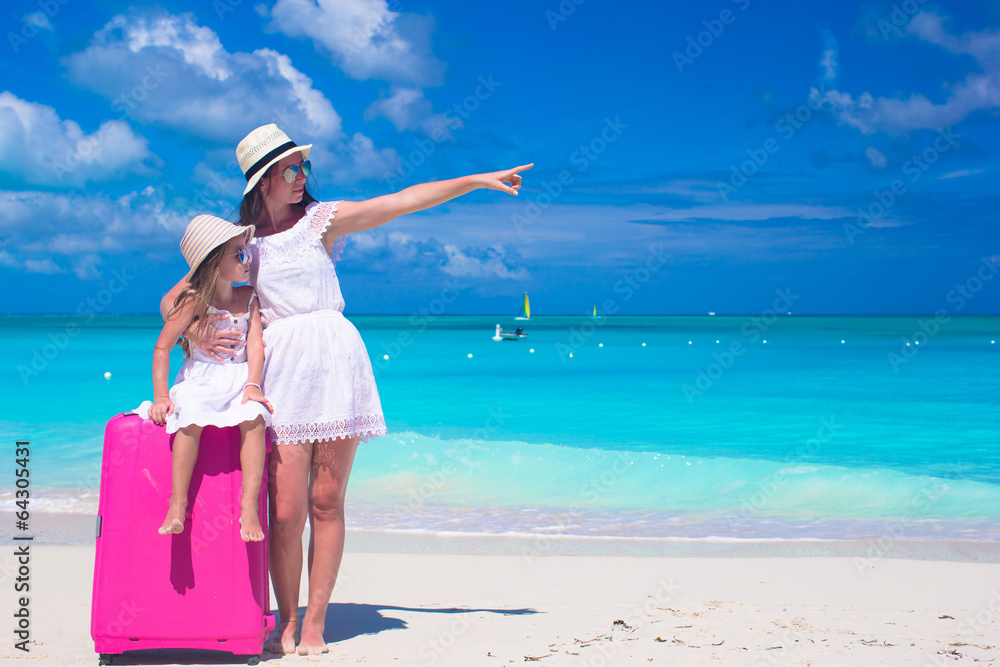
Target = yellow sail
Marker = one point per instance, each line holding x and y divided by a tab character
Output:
525	309
595	310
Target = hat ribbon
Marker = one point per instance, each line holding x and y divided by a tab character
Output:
259	164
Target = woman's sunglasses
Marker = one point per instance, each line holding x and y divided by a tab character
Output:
243	255
293	171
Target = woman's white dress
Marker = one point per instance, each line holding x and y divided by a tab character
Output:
207	392
317	373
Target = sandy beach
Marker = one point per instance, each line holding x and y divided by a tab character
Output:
407	599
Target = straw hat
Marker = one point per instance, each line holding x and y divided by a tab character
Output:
204	234
262	148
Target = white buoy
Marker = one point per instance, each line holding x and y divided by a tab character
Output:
689	342
916	342
600	345
842	341
107	375
470	355
644	345
765	342
385	356
993	342
571	355
532	350
716	342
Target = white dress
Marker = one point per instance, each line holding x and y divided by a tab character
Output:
207	392
317	373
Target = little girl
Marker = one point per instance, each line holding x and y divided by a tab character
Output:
207	392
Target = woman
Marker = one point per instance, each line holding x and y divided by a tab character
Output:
317	372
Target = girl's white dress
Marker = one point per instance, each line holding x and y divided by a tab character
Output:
317	373
207	392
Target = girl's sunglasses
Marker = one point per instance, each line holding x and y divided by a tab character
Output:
293	171
243	255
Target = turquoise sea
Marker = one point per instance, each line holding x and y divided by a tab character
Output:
685	427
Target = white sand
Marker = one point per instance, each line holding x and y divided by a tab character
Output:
470	610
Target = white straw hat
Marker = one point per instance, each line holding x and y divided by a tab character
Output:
262	148
204	234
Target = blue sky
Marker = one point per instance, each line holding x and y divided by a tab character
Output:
690	157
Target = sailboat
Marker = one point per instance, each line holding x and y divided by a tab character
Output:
595	312
525	310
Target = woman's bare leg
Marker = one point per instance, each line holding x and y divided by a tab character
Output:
331	467
185	455
252	454
288	483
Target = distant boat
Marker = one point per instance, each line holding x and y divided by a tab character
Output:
595	311
509	335
525	309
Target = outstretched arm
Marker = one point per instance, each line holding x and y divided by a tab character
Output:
359	216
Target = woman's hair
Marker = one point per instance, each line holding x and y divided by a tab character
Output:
202	290
253	202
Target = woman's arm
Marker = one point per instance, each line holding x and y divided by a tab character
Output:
255	358
173	328
359	216
216	341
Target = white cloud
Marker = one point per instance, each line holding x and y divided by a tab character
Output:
197	46
684	188
39	20
164	69
828	63
895	115
875	157
741	212
396	251
364	38
476	263
42	266
38	148
408	109
47	232
364	161
960	173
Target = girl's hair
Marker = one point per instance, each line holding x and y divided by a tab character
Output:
253	202
202	290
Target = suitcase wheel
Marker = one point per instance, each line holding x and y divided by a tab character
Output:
105	659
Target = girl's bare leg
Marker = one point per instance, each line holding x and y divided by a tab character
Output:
288	483
184	456
252	453
331	467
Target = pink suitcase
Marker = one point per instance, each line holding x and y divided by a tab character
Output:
203	589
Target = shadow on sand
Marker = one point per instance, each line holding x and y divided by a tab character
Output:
347	620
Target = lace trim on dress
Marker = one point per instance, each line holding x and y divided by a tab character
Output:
366	426
322	218
288	246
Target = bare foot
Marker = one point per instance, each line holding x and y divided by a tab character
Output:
312	642
174	523
284	639
250	529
